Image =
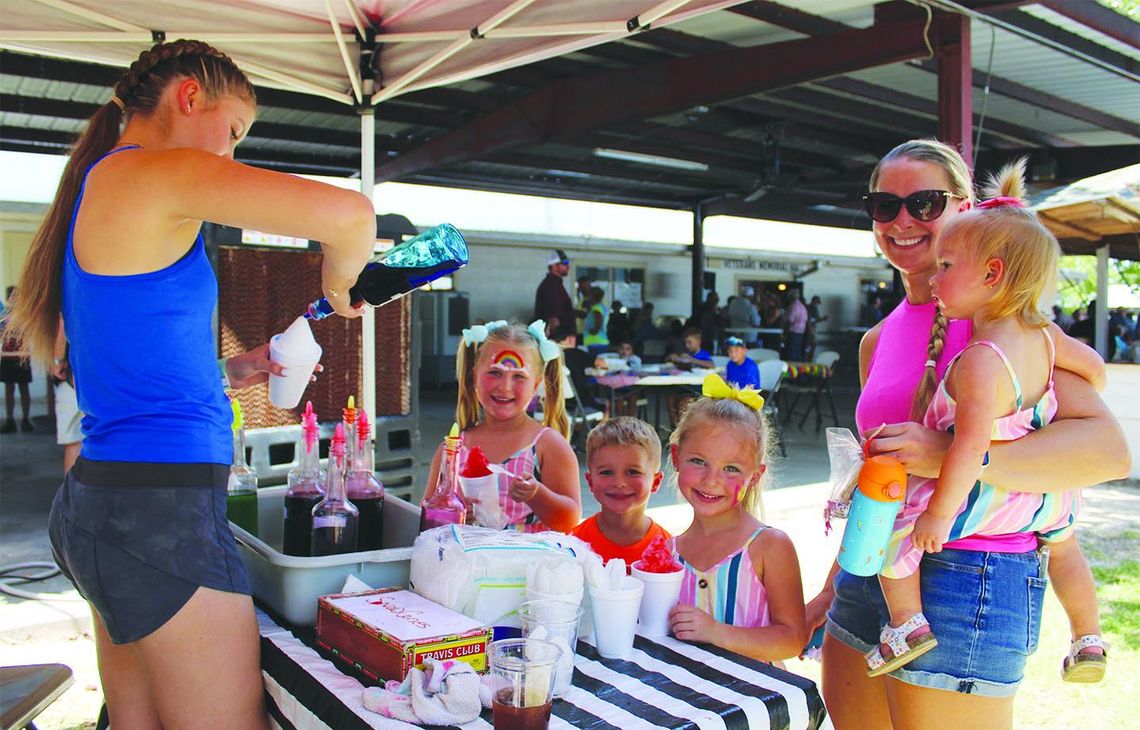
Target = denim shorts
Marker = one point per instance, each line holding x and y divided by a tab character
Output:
137	540
984	608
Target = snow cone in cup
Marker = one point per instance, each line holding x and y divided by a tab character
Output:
480	484
661	573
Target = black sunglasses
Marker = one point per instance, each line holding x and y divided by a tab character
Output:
923	205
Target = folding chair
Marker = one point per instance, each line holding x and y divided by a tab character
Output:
26	691
763	354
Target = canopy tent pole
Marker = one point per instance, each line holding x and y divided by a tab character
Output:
1100	324
367	111
698	256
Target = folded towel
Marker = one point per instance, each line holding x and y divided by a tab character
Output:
444	693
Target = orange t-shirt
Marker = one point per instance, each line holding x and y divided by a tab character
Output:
589	533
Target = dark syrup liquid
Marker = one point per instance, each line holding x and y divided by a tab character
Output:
335	540
371	509
298	530
518	718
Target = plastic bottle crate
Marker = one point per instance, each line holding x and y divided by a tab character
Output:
272	452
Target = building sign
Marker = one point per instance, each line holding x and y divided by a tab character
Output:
750	264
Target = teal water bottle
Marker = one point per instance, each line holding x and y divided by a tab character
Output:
874	506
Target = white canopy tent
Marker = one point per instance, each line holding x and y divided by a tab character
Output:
356	52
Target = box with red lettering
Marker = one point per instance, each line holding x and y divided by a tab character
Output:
386	632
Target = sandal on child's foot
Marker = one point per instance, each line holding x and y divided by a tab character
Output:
902	644
1084	664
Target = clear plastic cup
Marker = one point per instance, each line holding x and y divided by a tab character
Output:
556	621
522	679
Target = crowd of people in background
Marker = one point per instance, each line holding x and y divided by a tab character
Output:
1122	329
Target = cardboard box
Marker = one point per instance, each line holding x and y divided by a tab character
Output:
384	633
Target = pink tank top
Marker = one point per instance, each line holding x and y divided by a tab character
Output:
893	374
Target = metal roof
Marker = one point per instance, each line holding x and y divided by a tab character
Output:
771	131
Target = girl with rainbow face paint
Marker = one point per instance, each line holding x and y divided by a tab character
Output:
500	368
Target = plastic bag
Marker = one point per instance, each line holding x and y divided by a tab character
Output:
482	573
846	455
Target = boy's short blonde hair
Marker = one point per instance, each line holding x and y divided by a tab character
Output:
625	431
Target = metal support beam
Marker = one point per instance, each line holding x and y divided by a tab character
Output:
368	321
1099	18
1100	323
698	281
955	83
570	107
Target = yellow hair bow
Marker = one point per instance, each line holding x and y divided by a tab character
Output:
715	387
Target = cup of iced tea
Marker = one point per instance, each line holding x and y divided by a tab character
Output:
522	680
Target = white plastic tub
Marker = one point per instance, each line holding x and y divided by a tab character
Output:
291	585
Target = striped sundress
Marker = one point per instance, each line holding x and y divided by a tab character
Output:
730	591
519	515
989	510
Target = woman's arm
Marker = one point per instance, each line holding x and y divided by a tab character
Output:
774	559
557	498
189	184
1083	446
1077	357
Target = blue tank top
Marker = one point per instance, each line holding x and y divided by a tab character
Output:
144	360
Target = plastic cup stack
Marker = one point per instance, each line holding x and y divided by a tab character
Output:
298	351
556	622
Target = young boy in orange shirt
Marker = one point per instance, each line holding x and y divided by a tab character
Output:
623	468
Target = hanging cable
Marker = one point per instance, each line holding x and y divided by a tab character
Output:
985	98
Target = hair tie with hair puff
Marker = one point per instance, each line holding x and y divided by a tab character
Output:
546	349
931	364
1001	201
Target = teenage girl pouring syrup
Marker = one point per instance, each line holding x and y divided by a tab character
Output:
139	523
500	366
741	590
994	265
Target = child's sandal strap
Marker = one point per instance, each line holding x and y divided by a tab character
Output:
1085	668
1087	641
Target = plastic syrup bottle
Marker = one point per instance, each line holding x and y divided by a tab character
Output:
443	506
305	489
364	489
420	260
335	519
241	489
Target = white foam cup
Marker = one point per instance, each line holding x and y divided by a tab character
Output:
615	617
299	353
485	493
662	590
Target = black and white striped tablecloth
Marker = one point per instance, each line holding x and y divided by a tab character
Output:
665	684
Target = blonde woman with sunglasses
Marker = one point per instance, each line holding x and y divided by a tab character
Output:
983	596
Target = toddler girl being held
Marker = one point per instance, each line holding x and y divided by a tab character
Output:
741	589
500	366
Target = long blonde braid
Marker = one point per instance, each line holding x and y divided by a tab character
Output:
925	391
